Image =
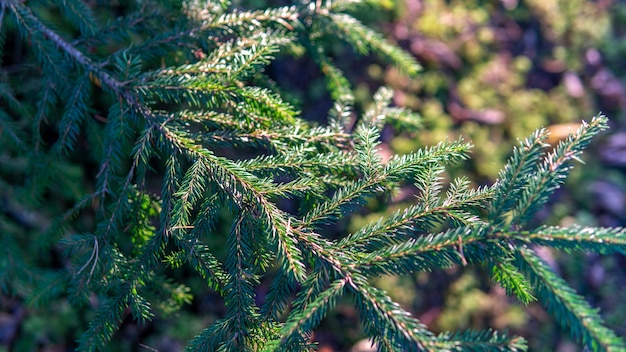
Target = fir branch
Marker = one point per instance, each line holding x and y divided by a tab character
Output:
570	309
197	253
337	83
411	221
235	21
190	192
408	165
403	119
34	27
457	246
211	337
237	183
340	113
397	168
430	183
575	238
227	129
554	169
513	177
10	133
135	274
375	114
288	253
201	259
512	281
325	270
31	27
377	309
249	58
365	40
13	104
297	188
79	13
240	304
481	341
247	55
300	163
75	111
366	140
304	321
265	103
108	317
278	297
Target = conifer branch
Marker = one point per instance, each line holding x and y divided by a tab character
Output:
180	111
376	309
482	341
391	172
430	251
26	18
305	320
512	280
576	238
365	40
78	12
554	169
570	309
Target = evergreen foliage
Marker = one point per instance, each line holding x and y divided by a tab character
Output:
192	144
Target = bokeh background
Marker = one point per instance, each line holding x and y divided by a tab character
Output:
494	71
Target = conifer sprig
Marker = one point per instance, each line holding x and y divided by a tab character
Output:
179	110
570	309
513	177
577	238
554	169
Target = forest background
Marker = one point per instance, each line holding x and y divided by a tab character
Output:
494	71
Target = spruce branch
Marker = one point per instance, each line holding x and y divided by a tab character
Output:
431	251
410	222
238	183
514	175
481	341
366	40
180	111
570	309
78	12
554	169
235	21
211	337
10	132
240	305
75	110
575	238
278	297
397	168
377	309
512	280
304	321
34	26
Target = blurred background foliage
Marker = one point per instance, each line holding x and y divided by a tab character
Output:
494	71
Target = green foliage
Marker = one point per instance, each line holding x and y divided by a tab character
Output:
187	149
496	72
